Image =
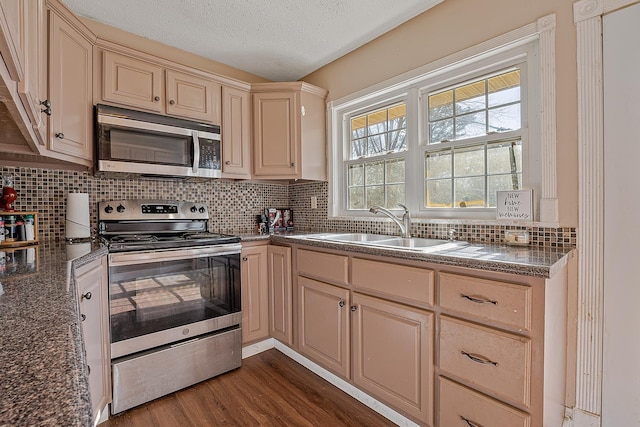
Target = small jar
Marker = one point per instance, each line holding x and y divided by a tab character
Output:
21	234
29	227
10	231
1	229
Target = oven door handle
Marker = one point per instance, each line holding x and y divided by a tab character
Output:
145	257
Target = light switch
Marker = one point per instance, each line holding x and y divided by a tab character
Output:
314	202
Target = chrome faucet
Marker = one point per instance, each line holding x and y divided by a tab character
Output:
405	225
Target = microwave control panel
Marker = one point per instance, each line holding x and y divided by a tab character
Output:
209	154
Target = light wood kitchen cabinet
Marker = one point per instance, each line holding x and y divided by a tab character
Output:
13	32
91	282
255	294
289	137
236	133
280	304
323	324
70	91
146	85
392	354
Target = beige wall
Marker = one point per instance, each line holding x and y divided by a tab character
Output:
458	24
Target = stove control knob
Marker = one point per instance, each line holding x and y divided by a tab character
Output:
120	208
201	210
108	209
193	209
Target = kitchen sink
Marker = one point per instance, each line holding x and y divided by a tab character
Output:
386	241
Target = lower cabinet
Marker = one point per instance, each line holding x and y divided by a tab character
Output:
392	354
279	282
255	297
91	282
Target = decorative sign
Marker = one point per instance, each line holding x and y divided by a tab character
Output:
516	205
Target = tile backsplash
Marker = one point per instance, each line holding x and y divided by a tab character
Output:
233	205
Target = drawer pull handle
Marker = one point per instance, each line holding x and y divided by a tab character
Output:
469	422
478	300
479	359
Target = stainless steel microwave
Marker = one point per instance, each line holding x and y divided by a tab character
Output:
139	143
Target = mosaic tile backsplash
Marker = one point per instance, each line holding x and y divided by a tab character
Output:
233	205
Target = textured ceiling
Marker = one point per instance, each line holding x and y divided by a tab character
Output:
281	40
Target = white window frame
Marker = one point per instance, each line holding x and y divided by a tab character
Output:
533	44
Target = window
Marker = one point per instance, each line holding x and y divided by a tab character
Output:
376	164
474	145
444	139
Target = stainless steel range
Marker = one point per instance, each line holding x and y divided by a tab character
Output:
174	298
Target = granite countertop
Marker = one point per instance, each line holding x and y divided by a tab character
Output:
522	260
43	378
42	359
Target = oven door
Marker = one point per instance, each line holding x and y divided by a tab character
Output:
165	296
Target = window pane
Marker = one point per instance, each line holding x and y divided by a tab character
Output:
395	171
358	127
469	161
375	196
501	183
505	118
398	117
397	141
504	157
395	195
356	198
438	164
438	193
469	192
471	125
377	122
440	131
374	173
441	105
504	89
470	97
358	148
376	145
356	175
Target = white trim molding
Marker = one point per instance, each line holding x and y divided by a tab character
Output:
590	233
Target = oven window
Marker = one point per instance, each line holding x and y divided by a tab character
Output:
152	297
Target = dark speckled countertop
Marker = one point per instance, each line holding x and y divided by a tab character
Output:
42	362
43	378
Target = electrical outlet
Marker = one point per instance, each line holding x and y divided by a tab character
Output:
314	202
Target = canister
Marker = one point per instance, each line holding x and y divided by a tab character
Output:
29	227
10	231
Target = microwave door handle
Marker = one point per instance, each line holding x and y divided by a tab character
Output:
196	152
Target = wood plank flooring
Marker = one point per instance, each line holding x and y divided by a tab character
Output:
269	389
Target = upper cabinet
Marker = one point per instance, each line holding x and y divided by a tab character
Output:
13	36
236	133
141	84
289	136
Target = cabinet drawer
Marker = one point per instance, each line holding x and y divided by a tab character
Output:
463	407
487	299
408	283
329	267
491	359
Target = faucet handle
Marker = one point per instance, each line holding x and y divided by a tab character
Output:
403	207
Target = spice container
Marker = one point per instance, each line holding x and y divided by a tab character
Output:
10	231
29	227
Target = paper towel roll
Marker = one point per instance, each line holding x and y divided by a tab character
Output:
76	250
77	224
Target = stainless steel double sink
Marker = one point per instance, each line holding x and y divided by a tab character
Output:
385	241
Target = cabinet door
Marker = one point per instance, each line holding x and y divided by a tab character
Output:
275	132
70	84
279	262
35	67
393	354
193	97
12	36
255	296
323	324
132	82
91	280
236	133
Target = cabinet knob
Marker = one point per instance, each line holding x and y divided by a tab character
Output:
156	98
244	258
227	162
293	164
341	303
83	317
60	135
88	370
87	295
47	107
354	307
172	102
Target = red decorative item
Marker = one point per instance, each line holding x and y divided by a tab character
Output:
9	196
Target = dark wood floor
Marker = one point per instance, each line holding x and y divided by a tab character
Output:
269	389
